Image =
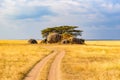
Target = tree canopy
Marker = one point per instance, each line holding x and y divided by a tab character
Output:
62	30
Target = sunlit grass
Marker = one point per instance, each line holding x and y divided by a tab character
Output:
104	43
85	62
96	60
18	57
13	42
45	71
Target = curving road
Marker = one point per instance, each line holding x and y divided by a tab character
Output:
54	72
34	73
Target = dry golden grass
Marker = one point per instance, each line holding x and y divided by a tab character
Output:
97	60
104	43
45	71
17	58
3	42
93	61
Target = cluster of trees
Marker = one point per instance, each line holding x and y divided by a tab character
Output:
63	34
66	31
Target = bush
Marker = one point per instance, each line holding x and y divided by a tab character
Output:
32	41
65	41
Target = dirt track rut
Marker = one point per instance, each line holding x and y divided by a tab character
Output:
54	72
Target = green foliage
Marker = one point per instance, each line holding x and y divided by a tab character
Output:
61	30
66	35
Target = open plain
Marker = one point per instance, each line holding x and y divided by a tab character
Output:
95	60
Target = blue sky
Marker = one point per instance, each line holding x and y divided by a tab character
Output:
24	19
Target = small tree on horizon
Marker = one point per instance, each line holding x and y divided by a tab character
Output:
67	31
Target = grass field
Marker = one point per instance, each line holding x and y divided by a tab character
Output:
18	57
93	61
96	60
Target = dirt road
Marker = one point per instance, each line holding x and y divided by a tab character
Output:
34	73
54	72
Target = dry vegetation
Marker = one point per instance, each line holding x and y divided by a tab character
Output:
94	61
97	60
18	57
44	73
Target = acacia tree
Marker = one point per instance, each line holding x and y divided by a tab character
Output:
71	30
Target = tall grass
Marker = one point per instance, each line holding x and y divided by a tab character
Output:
96	60
91	62
17	58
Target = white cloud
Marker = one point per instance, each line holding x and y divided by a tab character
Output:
111	8
85	13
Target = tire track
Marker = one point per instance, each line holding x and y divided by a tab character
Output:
55	73
34	73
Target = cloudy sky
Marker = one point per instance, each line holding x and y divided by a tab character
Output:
24	19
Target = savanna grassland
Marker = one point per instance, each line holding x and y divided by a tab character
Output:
96	60
17	57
